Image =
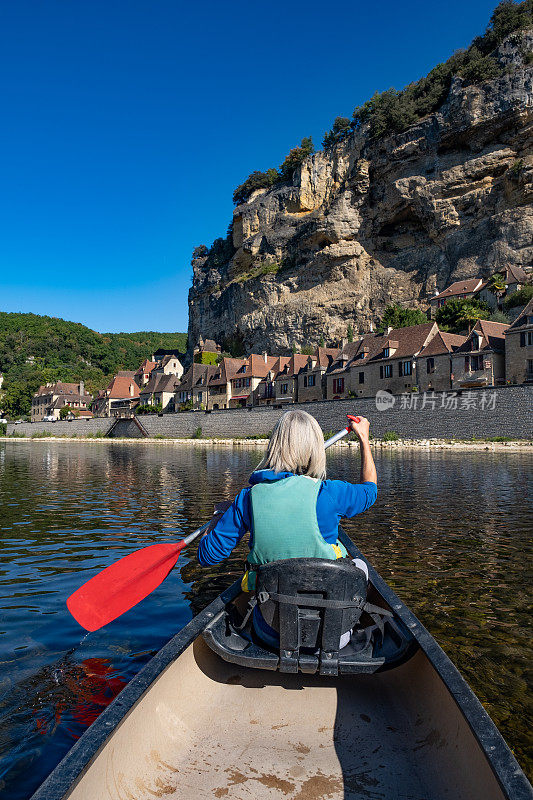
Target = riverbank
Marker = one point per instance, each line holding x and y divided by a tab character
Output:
517	445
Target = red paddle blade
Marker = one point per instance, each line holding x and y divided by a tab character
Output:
122	585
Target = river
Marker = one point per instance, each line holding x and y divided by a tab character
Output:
451	532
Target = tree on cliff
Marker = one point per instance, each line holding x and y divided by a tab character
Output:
458	315
295	158
397	317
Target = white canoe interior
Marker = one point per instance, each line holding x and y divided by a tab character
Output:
209	729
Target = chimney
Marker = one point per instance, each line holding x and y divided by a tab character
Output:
389	329
265	356
131	389
82	388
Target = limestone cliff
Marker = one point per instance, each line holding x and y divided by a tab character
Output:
366	223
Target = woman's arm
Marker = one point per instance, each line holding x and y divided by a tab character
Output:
227	533
368	468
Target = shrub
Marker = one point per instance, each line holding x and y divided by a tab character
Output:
207	358
390	436
160	436
295	158
148	409
197	434
256	180
499	317
395	316
187	406
519	298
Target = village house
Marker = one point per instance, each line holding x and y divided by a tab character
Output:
459	290
286	378
248	377
160	390
338	376
168	365
52	397
480	360
207	351
121	394
265	394
519	348
192	390
219	384
311	377
434	362
142	375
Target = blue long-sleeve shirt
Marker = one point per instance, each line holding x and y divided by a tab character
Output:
336	499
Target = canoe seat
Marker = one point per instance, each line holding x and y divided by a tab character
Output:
312	603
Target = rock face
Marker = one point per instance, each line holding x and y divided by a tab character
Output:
367	223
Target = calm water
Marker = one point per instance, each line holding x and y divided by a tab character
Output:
451	532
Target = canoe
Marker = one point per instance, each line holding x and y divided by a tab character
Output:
192	725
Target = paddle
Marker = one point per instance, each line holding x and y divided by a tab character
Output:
125	583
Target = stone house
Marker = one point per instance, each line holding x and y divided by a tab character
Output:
456	291
169	365
192	387
312	376
123	388
286	378
519	348
142	375
480	360
219	386
338	385
434	362
248	377
160	390
52	397
265	394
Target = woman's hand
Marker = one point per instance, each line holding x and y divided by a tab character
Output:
361	428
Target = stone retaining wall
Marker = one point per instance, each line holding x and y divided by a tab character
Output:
506	411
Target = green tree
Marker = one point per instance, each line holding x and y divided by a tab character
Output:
497	285
256	180
349	333
64	412
457	315
341	129
519	298
395	316
321	342
295	158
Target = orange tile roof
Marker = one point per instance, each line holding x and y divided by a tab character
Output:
119	387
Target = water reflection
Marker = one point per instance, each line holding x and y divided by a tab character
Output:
450	532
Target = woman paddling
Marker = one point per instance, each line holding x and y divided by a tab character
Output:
289	508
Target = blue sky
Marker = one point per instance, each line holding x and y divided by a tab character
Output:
128	123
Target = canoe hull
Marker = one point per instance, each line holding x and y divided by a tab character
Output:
191	725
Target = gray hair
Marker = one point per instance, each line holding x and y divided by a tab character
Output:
296	445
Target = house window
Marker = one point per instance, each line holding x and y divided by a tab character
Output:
200	395
284	388
530	368
311	380
385	371
405	368
526	339
305	381
361	377
386	352
430	365
338	385
467	363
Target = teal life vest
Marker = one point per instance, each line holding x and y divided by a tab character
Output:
285	524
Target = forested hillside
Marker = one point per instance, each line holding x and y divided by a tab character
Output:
36	349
